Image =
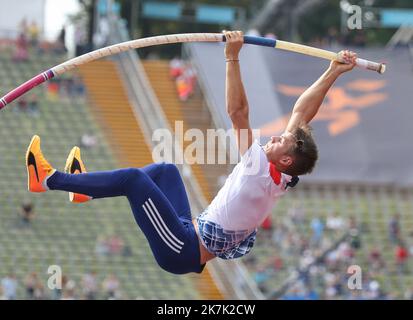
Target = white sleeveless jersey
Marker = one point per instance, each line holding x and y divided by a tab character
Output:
249	192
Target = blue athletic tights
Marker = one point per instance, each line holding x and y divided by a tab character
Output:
159	203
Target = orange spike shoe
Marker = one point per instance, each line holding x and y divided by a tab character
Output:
38	168
74	165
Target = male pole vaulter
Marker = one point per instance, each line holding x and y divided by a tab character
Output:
156	193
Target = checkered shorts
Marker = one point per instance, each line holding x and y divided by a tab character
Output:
223	243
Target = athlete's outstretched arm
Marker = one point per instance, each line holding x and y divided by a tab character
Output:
310	101
236	99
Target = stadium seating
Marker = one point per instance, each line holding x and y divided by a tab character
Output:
62	233
65	234
372	209
125	135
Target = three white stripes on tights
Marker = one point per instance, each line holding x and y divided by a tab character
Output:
166	235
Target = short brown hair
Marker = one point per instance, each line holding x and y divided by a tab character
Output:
304	152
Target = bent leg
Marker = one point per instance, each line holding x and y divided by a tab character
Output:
173	242
168	179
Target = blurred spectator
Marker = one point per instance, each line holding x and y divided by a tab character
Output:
394	228
261	276
39	293
352	223
346	252
278	235
43	47
116	245
90	285
9	285
401	256
33	31
68	290
101	35
311	294
88	141
310	259
101	248
69	88
297	216
303	244
183	88
317	227
75	87
376	260
26	213
113	245
321	268
375	291
57	293
355	239
22	104
306	259
335	222
53	89
61	40
330	286
300	292
111	287
78	86
176	66
60	45
185	78
30	284
274	263
294	294
65	88
30	105
21	45
277	263
127	251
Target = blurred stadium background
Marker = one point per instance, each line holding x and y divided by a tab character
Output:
356	209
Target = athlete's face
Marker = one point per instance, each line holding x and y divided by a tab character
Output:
278	149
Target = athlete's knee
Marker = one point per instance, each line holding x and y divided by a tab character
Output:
132	173
170	168
132	176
